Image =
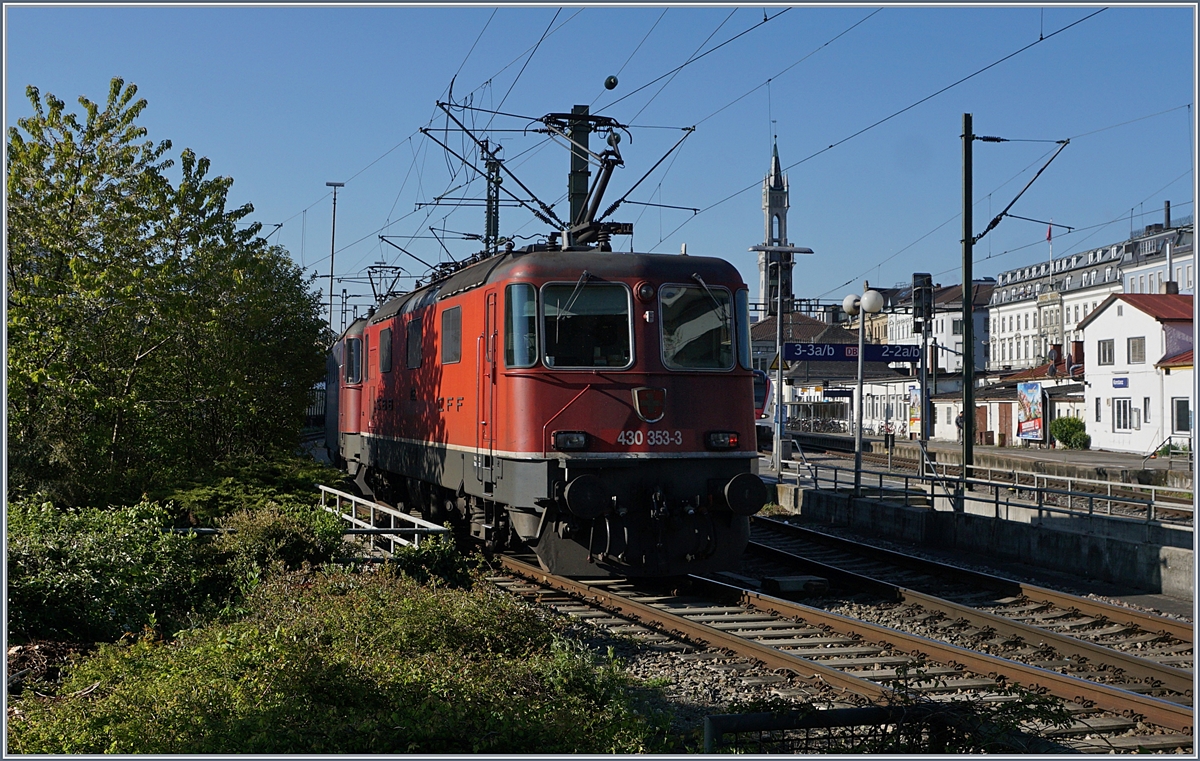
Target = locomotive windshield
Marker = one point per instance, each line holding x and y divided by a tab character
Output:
697	327
586	325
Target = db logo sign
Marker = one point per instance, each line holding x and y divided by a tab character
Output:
852	351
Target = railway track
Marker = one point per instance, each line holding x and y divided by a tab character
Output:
1071	635
855	658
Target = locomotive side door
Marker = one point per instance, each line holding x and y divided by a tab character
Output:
371	381
486	396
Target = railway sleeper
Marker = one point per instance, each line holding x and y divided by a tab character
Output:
1085	726
1140	743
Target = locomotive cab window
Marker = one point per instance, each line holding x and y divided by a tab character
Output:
451	335
586	325
353	360
697	327
385	350
520	325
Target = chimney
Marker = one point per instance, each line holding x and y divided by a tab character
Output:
1166	215
1168	284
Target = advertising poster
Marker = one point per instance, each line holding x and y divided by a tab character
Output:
914	409
1030	423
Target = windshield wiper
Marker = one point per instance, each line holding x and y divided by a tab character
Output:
586	276
720	307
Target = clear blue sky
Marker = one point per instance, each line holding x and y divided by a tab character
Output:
286	99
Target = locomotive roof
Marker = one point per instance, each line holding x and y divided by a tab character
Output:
565	265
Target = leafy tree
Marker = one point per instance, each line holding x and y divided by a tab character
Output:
151	332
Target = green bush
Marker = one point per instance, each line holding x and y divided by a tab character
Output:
435	561
283	482
90	575
339	662
271	535
1070	432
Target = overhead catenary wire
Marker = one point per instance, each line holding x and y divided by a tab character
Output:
888	118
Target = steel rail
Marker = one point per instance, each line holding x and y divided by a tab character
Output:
1155	710
1181	630
1171	678
698	632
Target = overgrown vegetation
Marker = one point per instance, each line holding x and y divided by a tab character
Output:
343	662
93	575
1071	432
151	332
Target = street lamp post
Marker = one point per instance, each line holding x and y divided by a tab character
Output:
332	240
869	302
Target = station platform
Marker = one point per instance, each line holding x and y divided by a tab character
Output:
1086	463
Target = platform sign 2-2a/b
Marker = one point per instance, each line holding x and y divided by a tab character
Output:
814	352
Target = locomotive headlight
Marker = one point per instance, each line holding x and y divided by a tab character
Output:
721	440
568	441
645	291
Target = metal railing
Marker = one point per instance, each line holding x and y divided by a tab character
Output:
367	516
1026	479
918	489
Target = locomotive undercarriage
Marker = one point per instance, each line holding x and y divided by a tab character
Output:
627	517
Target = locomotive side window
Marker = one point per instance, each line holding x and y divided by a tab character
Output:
451	335
385	350
520	326
353	360
743	329
697	327
414	343
586	325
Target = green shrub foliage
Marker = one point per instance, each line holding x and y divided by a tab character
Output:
151	331
340	662
1070	432
93	575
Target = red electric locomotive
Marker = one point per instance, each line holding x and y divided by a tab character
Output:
593	406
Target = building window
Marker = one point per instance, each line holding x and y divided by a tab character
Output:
1189	276
1142	284
1181	414
1098	409
957	327
1076	313
1122	415
1146	408
1104	352
1137	350
385	350
451	335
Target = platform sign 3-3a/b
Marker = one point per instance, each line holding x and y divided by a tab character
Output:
814	352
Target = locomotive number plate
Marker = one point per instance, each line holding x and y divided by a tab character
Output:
650	438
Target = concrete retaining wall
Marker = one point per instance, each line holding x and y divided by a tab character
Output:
1150	557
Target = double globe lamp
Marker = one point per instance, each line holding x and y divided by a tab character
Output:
870	302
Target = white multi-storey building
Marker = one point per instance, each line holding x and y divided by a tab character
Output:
1160	258
1041	305
946	328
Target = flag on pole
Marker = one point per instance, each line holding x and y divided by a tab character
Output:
1048	229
